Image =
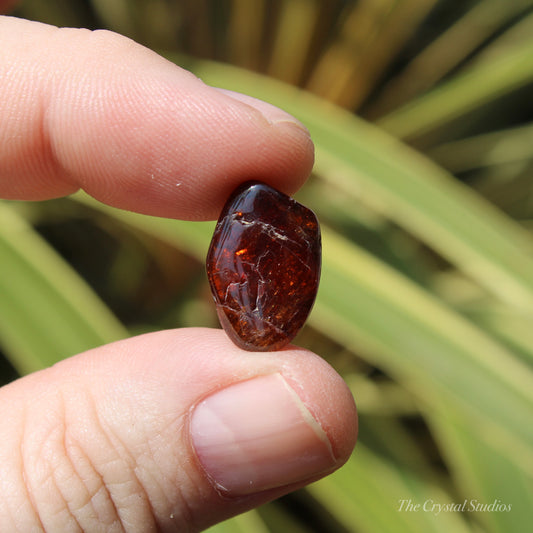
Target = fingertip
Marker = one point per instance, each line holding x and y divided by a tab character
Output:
296	136
257	435
283	419
328	398
282	157
271	113
133	129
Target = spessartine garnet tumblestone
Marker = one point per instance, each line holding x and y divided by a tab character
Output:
263	266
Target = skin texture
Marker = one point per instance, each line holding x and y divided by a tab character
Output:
76	114
103	441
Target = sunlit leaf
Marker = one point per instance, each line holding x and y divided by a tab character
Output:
244	523
464	93
47	311
503	490
370	494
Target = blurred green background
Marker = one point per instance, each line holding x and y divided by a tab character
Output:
422	115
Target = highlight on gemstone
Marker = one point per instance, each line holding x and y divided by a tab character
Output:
263	266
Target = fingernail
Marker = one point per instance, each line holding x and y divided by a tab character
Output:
257	435
272	114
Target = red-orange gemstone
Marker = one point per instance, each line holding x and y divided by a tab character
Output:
264	267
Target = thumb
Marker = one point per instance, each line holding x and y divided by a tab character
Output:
170	431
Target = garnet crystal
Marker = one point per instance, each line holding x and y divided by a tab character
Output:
264	266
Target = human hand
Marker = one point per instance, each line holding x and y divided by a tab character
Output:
175	430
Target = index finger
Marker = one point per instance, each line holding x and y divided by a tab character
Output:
96	111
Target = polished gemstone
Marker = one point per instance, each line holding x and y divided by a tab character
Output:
264	266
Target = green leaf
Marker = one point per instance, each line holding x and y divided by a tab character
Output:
448	51
484	475
371	494
244	523
494	148
363	304
47	312
464	93
193	237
